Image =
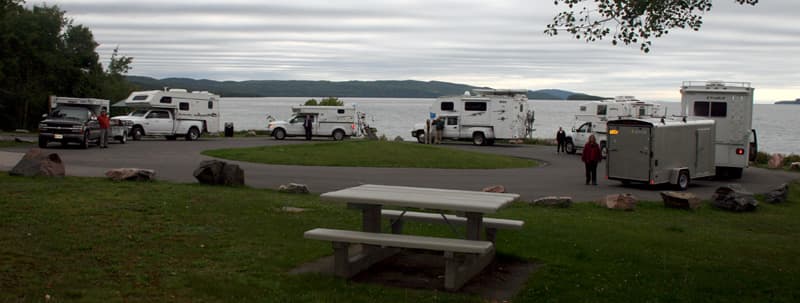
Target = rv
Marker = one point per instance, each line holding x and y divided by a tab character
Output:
172	113
592	117
486	116
75	120
657	151
730	104
337	122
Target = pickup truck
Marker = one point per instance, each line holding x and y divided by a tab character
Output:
69	123
161	122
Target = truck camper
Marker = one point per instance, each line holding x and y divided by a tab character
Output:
592	117
337	122
172	113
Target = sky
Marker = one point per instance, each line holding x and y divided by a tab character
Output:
498	43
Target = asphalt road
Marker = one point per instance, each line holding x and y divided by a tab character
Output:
558	175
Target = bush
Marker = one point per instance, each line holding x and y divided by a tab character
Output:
311	102
762	158
791	158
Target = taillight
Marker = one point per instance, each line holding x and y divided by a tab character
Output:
740	151
353	126
652	182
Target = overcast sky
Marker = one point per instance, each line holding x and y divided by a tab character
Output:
498	43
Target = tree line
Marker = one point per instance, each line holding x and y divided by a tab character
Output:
43	53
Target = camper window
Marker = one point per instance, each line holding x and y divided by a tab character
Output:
340	111
183	106
583	108
452	120
166	100
475	106
710	109
139	97
601	110
447	106
210	104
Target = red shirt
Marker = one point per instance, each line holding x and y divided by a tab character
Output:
591	153
104	121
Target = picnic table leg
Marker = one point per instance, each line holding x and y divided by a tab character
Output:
474	225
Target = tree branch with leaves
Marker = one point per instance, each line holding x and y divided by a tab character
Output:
629	21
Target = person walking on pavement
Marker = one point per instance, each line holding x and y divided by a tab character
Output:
105	125
307	124
591	157
561	139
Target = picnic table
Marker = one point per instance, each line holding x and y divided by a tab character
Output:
465	256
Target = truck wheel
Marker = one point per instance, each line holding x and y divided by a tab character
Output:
124	138
338	135
683	180
85	141
421	136
570	147
279	134
193	134
137	133
478	139
42	142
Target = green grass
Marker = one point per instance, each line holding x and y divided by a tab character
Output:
93	240
15	144
363	153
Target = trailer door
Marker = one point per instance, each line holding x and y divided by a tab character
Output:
629	153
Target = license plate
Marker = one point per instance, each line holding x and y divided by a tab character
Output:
58	136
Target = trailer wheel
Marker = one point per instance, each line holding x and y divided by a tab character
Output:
42	142
137	133
193	134
85	141
478	139
421	136
338	135
570	147
124	138
683	180
279	134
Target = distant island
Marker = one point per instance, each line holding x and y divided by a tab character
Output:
299	88
796	101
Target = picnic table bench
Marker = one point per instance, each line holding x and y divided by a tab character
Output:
464	258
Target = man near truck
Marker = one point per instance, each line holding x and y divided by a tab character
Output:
105	125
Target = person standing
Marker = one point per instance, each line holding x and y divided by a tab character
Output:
105	125
561	139
591	157
439	130
307	125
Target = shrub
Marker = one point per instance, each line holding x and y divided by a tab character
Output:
791	158
311	102
762	158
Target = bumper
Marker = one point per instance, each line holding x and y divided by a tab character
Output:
70	137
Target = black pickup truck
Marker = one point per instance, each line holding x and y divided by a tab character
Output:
69	123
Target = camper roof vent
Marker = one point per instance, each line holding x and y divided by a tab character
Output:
178	90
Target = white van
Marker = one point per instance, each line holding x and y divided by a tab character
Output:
730	105
488	115
337	122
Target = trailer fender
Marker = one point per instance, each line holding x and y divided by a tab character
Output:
675	173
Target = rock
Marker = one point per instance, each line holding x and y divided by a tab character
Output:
23	140
734	198
215	172
495	189
680	200
290	209
37	163
777	195
398	139
21	131
795	166
131	174
554	201
294	188
776	161
622	201
251	133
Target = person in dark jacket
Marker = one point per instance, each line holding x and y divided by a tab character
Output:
105	125
591	157
561	139
307	124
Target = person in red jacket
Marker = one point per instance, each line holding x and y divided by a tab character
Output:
105	125
591	156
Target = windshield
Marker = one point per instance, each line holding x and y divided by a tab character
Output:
138	113
70	112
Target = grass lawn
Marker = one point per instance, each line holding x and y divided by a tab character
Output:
15	144
94	240
363	153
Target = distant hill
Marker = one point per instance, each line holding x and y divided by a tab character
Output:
301	88
796	101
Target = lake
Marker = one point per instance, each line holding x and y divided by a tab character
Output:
396	116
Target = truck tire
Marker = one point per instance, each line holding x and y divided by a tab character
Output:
421	136
42	142
124	138
279	134
570	147
683	180
478	138
193	134
85	141
138	132
338	135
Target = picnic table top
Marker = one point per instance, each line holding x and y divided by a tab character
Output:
421	197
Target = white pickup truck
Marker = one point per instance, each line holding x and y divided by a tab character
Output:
161	122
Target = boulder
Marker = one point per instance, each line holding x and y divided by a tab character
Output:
775	161
252	133
778	194
795	166
215	172
682	200
398	139
24	140
495	189
734	198
290	209
131	174
554	201
293	188
621	201
37	163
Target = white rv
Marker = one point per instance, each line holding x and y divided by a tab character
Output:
337	122
592	117
730	104
486	116
172	113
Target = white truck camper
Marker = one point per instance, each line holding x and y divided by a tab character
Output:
730	104
483	117
660	150
172	113
592	117
337	122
